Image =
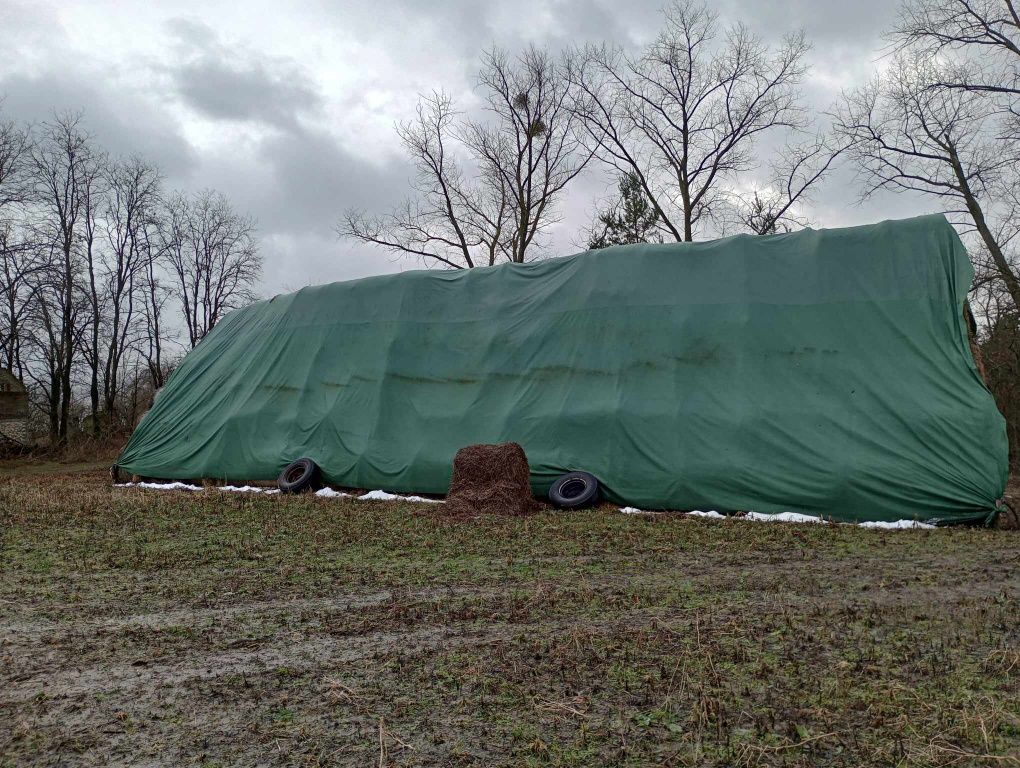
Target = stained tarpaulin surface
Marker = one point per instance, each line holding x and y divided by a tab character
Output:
825	372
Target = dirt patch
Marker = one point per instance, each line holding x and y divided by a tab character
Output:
490	479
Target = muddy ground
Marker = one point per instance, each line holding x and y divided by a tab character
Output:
156	628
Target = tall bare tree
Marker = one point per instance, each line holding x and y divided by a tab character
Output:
529	149
485	190
213	257
685	115
971	49
93	192
131	212
18	258
155	295
453	219
20	262
66	167
14	151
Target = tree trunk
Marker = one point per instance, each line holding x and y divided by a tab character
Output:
1009	278
67	339
685	195
53	398
94	362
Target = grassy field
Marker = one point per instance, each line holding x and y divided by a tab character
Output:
156	628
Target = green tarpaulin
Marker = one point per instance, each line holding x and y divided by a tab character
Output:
824	372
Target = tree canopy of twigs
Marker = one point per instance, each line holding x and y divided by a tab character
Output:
213	257
485	189
986	33
686	114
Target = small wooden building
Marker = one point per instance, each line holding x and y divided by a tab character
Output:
13	409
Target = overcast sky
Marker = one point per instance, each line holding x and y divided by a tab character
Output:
289	107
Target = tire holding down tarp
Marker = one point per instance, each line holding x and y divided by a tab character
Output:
824	372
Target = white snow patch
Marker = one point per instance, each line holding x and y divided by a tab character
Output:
175	486
329	493
378	496
636	511
783	517
384	496
899	524
178	486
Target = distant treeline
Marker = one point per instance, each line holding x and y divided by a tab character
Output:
106	276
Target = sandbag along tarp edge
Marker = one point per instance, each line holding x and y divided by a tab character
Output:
825	372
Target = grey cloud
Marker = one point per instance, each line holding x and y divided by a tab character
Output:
303	181
121	122
470	26
222	91
191	33
318	179
235	84
855	25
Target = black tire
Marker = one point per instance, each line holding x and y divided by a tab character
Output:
574	490
300	475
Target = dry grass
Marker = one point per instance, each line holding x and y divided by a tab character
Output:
83	455
221	629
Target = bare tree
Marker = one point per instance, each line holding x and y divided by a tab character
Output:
18	258
485	190
93	191
213	257
47	342
685	115
530	150
54	331
19	264
908	134
971	49
65	167
155	295
453	219
131	211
